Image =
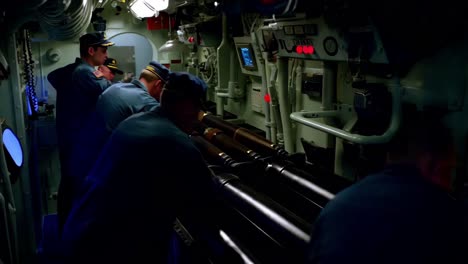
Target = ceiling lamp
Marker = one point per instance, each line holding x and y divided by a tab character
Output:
173	45
147	8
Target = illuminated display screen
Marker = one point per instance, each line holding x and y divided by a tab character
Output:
247	57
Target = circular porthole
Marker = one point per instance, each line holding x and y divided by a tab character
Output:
13	152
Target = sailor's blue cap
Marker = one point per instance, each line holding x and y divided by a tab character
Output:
187	85
159	70
95	39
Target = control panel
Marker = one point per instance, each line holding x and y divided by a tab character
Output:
314	39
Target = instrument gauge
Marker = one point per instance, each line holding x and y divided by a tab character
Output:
330	46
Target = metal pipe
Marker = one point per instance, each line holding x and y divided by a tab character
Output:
329	95
283	103
321	114
275	220
291	86
233	85
222	54
295	184
264	90
217	122
212	151
242	135
272	123
277	128
298	82
328	85
249	235
300	181
286	193
238	248
222	140
236	148
297	189
394	85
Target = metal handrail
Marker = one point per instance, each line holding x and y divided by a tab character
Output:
305	119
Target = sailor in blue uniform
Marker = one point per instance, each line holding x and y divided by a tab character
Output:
148	171
124	99
404	214
78	86
87	82
60	80
118	102
110	69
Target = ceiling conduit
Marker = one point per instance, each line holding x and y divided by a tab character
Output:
64	20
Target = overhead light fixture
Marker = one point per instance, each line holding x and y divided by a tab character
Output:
147	8
173	45
172	54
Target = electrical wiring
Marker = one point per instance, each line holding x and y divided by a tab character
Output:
29	78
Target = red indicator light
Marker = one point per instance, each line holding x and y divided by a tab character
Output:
299	50
267	98
309	49
191	39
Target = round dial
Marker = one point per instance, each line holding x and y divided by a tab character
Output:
330	45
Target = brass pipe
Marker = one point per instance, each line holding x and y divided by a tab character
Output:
223	141
242	135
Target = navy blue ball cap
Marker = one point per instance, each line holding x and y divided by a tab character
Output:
187	85
159	70
95	39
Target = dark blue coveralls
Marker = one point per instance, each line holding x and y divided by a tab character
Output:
392	217
148	171
78	89
115	104
60	80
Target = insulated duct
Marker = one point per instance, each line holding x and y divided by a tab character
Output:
64	20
